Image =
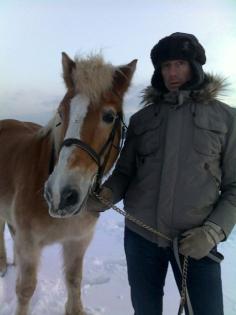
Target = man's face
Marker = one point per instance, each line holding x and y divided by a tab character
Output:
175	73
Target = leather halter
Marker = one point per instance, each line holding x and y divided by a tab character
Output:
97	157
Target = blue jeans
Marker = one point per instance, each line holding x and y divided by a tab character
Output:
147	268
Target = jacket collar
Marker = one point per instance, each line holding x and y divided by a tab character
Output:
176	98
211	89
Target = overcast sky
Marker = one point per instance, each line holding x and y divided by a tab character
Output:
33	33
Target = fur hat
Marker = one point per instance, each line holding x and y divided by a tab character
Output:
179	46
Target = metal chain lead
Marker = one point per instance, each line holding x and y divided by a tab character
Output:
130	217
183	286
149	228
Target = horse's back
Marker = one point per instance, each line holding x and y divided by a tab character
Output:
12	126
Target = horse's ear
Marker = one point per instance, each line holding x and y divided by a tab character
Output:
123	76
68	66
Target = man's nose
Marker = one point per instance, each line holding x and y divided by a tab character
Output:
172	71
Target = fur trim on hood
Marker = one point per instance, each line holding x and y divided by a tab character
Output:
212	88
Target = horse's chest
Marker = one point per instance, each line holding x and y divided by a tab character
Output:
69	229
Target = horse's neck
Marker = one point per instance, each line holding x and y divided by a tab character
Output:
37	159
47	154
24	160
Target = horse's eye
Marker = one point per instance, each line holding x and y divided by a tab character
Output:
108	117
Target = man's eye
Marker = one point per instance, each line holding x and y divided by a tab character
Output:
108	117
181	62
165	65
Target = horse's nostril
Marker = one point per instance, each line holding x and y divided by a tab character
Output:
69	197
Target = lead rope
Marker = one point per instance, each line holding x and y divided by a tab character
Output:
183	286
184	296
184	293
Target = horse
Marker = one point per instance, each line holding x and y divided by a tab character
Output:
48	172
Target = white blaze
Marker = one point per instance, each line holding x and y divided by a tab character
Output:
61	174
78	111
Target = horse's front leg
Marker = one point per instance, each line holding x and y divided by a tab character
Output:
73	263
3	256
27	263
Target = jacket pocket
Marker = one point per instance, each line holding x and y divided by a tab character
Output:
148	137
208	136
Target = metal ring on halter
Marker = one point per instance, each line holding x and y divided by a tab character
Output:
93	183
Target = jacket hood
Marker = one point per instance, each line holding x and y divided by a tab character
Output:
212	88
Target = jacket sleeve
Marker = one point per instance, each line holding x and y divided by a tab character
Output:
224	213
125	167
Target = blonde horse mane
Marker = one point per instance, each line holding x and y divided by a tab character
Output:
91	77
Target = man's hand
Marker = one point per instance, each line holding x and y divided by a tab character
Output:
93	204
198	242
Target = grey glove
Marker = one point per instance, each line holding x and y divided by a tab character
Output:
93	204
198	242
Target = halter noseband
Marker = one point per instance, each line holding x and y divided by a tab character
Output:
82	145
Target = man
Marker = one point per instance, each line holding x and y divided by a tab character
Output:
177	174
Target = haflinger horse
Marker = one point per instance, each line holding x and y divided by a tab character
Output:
47	173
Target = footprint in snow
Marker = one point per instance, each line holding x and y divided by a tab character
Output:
96	281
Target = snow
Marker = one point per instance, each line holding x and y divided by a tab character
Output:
105	289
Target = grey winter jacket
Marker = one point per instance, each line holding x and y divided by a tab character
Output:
178	165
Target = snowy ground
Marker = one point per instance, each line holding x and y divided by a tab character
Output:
105	289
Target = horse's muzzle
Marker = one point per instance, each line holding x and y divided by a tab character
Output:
67	204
